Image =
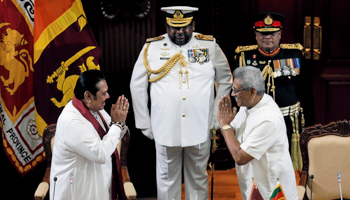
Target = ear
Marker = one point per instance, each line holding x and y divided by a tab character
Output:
87	96
166	27
193	26
254	92
280	34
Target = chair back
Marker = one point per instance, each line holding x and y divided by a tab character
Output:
325	152
48	141
122	148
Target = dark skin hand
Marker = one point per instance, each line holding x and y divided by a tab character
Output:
225	116
119	110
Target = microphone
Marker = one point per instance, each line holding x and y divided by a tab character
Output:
54	187
71	184
71	178
312	180
339	180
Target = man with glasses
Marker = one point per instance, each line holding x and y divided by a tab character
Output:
280	65
255	136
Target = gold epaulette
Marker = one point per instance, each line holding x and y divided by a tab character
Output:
154	39
246	48
297	46
204	37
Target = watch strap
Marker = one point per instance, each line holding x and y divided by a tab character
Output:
225	127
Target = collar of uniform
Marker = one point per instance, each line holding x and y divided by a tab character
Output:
258	105
275	52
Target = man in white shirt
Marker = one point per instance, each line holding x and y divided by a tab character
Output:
180	67
256	136
84	154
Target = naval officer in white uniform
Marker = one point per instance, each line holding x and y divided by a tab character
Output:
181	68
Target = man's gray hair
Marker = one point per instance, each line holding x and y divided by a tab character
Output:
251	77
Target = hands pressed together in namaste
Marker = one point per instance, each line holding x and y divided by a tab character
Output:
119	110
225	112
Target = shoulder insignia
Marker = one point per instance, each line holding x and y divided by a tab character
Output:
154	39
297	46
246	48
204	37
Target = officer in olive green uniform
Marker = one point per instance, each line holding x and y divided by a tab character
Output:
280	65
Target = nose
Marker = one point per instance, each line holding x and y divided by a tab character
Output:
233	94
180	30
268	36
107	96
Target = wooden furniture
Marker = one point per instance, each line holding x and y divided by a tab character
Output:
326	151
48	142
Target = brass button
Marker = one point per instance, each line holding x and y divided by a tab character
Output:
183	98
183	115
184	81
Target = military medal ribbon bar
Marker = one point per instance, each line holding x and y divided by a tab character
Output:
286	67
198	55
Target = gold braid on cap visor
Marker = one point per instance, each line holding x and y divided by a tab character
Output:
267	29
178	22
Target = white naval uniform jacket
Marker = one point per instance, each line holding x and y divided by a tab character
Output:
81	161
182	112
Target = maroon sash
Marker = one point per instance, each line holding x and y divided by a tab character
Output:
117	181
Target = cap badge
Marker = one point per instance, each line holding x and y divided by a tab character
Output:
178	14
268	20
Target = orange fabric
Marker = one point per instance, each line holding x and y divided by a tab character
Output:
297	176
47	12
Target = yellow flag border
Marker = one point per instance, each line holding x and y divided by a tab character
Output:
57	27
49	34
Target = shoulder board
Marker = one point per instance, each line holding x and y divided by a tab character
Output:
204	37
297	46
246	48
154	39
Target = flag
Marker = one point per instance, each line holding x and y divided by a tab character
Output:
254	193
64	46
21	141
278	193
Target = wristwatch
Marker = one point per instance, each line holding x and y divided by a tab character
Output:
225	127
121	125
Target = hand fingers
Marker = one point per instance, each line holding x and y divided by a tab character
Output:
122	103
220	103
227	101
127	106
113	107
118	103
123	100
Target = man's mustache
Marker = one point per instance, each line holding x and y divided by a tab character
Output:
179	34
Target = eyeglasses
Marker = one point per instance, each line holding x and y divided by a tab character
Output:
234	90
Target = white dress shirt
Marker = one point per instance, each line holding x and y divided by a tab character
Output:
81	161
262	133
